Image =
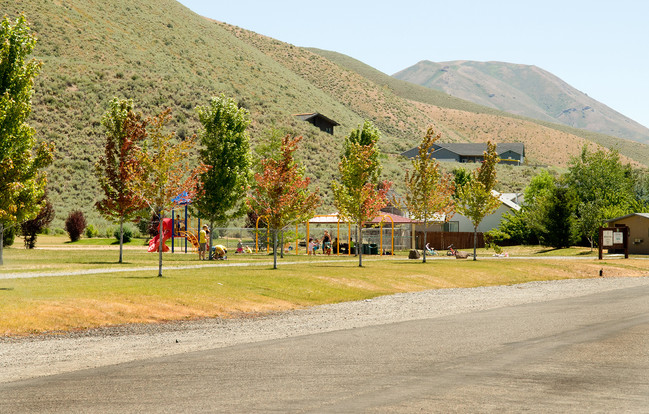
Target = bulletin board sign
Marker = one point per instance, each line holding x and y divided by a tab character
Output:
614	238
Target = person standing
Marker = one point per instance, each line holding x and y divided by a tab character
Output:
326	243
202	243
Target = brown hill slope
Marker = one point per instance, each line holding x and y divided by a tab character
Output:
523	90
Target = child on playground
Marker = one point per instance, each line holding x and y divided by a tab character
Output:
311	246
239	247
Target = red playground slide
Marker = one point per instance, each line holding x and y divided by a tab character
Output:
166	233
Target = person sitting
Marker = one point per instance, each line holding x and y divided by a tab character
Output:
430	250
239	247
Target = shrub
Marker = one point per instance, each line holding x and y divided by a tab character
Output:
91	231
75	224
128	234
31	228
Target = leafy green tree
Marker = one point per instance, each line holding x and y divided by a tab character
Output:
22	181
124	130
359	196
475	199
428	192
559	223
601	177
163	170
461	176
281	194
590	220
226	148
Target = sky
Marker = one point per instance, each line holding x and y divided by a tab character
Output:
598	47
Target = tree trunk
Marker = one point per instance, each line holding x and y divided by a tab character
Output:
274	249
359	244
121	237
475	241
2	235
160	243
425	242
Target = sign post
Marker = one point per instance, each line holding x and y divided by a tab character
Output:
614	238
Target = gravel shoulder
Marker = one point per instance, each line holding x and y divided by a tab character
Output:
23	358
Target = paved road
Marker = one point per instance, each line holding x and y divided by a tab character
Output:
586	354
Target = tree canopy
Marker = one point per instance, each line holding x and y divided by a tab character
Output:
225	147
428	191
22	181
281	195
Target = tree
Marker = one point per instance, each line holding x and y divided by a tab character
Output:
601	177
22	181
559	223
428	192
163	170
124	129
359	196
590	220
475	198
281	195
31	228
226	148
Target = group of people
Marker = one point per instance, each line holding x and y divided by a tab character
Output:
325	243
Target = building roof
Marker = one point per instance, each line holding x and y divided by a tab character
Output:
478	149
311	115
471	149
397	219
644	215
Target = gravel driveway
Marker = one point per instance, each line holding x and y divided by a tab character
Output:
46	355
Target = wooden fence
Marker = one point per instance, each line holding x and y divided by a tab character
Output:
440	240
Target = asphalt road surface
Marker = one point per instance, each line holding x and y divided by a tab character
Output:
585	354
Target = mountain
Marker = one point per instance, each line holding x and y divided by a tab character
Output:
523	90
161	54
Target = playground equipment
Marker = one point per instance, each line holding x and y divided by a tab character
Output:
166	234
173	229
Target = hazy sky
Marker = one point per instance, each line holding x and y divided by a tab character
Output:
598	47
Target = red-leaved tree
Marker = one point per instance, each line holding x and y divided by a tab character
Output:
281	195
124	129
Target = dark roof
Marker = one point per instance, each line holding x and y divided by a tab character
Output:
478	149
471	149
307	117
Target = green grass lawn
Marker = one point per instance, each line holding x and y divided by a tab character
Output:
46	304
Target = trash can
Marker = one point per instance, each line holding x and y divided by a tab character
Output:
366	248
374	248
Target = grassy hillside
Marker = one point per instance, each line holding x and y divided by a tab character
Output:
162	55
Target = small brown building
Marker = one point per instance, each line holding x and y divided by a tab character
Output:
325	124
638	224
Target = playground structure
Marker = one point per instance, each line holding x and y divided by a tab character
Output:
330	219
173	229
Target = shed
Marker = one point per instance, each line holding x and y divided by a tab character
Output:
638	224
325	124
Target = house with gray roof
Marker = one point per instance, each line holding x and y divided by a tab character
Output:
509	153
